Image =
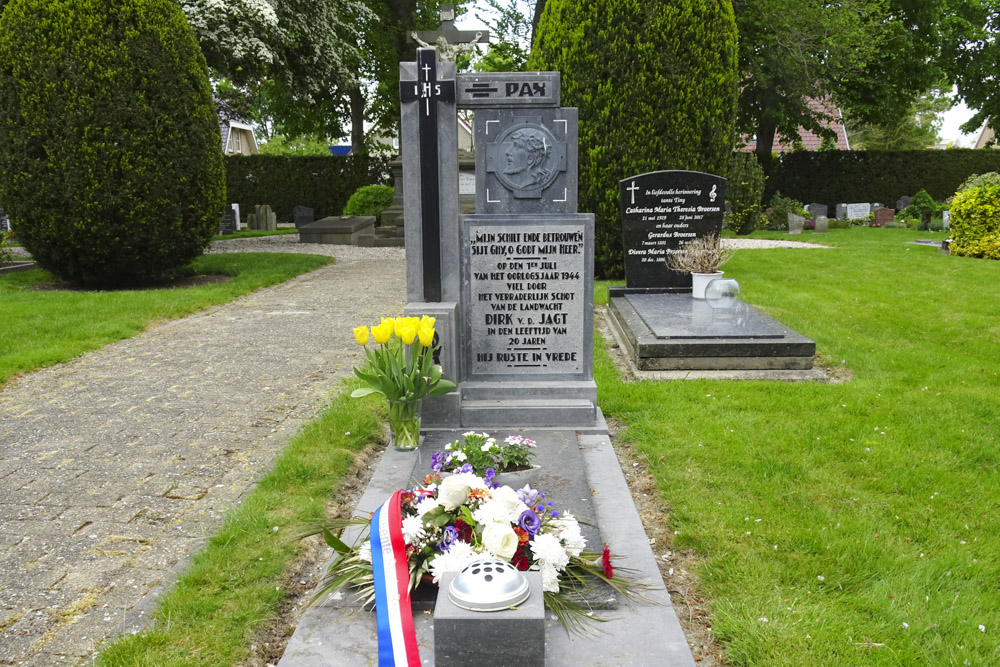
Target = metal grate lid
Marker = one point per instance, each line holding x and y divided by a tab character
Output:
488	584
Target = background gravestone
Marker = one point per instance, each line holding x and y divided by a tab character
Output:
816	210
884	216
795	223
841	212
903	202
856	211
822	224
661	212
946	219
4	221
303	215
236	213
228	224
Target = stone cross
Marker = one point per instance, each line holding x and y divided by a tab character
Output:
447	38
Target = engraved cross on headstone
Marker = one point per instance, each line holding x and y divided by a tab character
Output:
426	92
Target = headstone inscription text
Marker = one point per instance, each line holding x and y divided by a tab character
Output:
526	283
661	212
857	211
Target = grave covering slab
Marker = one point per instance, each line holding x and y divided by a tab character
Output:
680	316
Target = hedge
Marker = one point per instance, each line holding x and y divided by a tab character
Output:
834	177
321	183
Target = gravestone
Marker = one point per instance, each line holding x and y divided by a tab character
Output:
903	202
340	230
822	224
510	283
841	213
236	214
661	212
883	216
252	222
857	211
303	215
4	221
795	223
946	219
816	210
265	218
925	220
228	224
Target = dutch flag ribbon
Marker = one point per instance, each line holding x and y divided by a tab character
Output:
397	639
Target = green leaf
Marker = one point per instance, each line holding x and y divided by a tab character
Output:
334	542
441	388
364	391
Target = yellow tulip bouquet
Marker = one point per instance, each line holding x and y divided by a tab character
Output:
402	369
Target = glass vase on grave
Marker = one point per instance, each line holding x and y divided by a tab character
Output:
404	423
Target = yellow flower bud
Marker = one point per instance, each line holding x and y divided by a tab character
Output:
397	324
427	321
383	332
406	333
361	335
426	335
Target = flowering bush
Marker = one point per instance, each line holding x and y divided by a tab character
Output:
448	524
402	367
482	455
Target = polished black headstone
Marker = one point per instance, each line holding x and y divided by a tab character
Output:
661	212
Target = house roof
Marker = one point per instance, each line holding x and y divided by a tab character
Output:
810	140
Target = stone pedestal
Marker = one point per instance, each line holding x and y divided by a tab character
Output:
490	639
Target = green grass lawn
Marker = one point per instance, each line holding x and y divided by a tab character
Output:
41	328
852	523
251	233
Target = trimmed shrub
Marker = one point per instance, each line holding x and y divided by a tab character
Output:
369	200
321	183
875	176
110	156
655	84
744	189
921	202
975	223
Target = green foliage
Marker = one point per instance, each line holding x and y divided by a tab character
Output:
979	180
369	200
110	158
875	176
975	223
655	85
921	202
5	253
510	34
322	183
744	190
780	207
915	130
296	146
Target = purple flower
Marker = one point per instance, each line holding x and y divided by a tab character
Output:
488	477
436	461
555	514
530	522
527	495
449	537
466	467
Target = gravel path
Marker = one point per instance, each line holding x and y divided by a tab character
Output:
115	467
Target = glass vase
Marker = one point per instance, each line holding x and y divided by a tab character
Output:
404	423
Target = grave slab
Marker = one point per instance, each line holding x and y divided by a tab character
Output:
689	338
345	230
336	632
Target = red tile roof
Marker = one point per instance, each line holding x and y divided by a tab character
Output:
810	140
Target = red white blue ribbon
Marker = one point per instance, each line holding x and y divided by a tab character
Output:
397	639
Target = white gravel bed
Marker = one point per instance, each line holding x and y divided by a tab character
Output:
290	243
750	244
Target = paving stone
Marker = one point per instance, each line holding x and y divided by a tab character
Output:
147	443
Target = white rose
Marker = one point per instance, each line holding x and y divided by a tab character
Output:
500	540
508	498
453	492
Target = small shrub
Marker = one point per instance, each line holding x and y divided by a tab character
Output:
975	223
744	190
777	212
369	200
5	253
921	202
704	254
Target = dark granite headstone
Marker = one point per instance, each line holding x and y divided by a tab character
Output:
303	215
883	216
816	210
4	221
661	212
228	224
903	202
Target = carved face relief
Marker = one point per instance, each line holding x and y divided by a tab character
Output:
526	159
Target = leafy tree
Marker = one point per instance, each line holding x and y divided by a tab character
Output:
656	88
916	130
110	159
302	145
976	61
510	35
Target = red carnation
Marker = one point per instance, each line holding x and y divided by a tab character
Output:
464	530
520	559
609	571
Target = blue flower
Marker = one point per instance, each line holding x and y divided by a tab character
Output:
449	537
488	477
466	467
530	522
